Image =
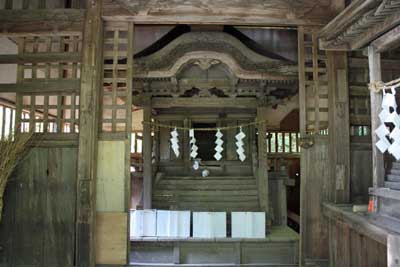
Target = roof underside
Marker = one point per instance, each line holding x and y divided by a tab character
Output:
359	24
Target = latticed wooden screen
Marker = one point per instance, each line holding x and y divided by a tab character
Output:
313	82
117	78
48	82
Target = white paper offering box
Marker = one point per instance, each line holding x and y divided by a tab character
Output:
173	223
143	223
248	224
209	224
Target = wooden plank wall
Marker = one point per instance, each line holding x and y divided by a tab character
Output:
41	4
315	175
351	249
115	125
40	207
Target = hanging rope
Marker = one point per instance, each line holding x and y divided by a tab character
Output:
378	86
203	129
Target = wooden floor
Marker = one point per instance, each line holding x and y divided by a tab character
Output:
279	248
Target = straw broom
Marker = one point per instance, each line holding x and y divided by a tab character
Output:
12	149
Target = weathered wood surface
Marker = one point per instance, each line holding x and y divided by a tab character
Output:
147	157
359	24
353	240
273	12
39	22
111	238
339	126
39	225
389	40
36	86
375	75
315	189
40	4
87	154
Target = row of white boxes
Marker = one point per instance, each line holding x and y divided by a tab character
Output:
176	224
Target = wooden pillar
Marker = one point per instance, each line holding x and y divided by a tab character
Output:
147	149
339	127
262	172
88	130
375	74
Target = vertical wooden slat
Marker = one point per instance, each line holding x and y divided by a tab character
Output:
45	113
315	79
114	81
147	166
87	154
3	121
302	85
375	75
262	175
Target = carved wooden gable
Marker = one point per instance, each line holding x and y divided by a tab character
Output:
216	64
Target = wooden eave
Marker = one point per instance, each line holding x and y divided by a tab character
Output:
226	12
41	21
359	24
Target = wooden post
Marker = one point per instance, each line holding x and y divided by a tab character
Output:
375	74
339	126
147	148
87	155
262	172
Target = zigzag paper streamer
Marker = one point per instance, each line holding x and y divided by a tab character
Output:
218	148
175	142
193	147
240	144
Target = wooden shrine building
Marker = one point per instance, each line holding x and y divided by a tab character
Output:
201	133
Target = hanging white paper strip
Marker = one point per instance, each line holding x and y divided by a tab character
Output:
175	142
389	115
218	148
240	145
192	142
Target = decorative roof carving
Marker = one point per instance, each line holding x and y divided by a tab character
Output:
201	45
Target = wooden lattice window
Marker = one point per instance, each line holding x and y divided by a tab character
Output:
117	79
313	63
283	142
7	120
50	113
50	57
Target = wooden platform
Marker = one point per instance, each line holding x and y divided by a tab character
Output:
279	248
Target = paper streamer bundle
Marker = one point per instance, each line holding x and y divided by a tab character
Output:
218	148
193	147
389	140
239	145
175	142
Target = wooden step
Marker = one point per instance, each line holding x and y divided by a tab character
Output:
206	192
396	165
203	182
395	171
393	185
393	178
209	206
208	187
209	178
206	198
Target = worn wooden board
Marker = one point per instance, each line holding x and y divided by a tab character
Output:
39	229
110	195
111	237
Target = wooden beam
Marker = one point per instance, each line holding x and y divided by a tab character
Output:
147	157
359	223
169	102
223	12
262	170
374	32
389	40
41	21
339	126
89	125
40	58
354	11
48	86
375	75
